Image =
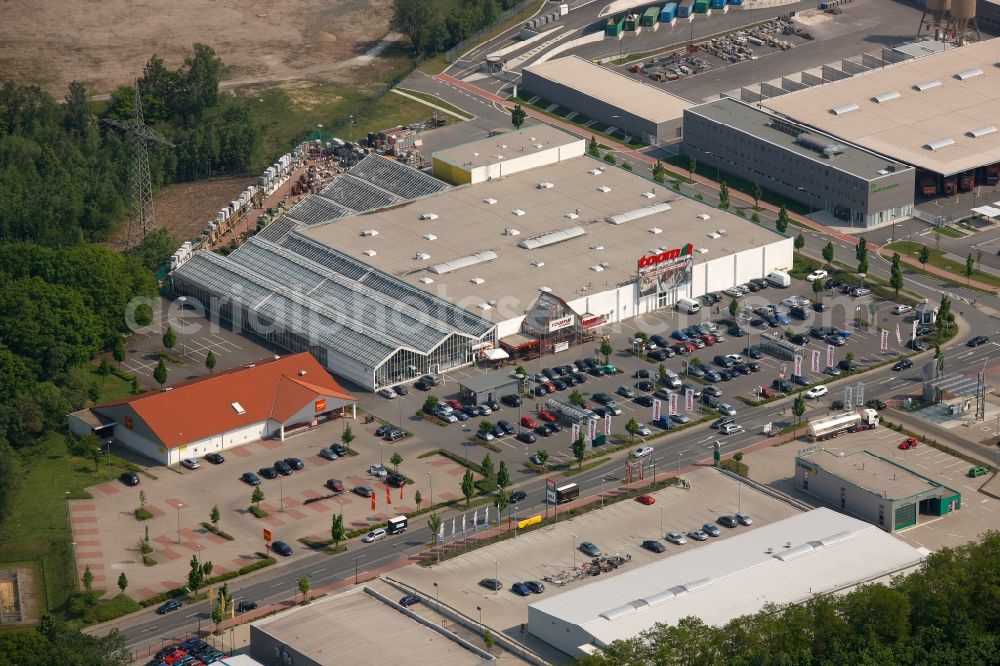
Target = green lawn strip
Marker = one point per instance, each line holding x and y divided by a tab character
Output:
950	232
263	560
437	101
215	530
541	105
111	388
937	258
576	469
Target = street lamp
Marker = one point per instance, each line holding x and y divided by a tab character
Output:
356	558
661	520
341	509
496	574
602	492
380	462
635	348
182	300
480	609
430	481
198	553
437	596
180	505
574	549
520	389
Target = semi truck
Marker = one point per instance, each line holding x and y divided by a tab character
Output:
862	419
928	185
992	174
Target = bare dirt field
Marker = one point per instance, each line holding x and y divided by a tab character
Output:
105	44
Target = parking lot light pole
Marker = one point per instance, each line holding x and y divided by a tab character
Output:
380	463
430	482
356	558
179	506
661	520
574	548
635	348
437	597
281	491
496	574
182	300
602	492
480	609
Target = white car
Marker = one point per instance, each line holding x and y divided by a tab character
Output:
643	451
484	410
485	435
817	275
735	357
374	535
816	392
676	538
387	393
191	463
730	428
899	309
378	470
643	431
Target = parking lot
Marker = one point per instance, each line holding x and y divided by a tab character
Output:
553	552
107	532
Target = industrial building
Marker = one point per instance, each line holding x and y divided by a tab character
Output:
880	491
533	260
646	112
340	629
790	561
270	399
853	185
938	113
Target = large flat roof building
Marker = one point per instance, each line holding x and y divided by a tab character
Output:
636	108
790	561
881	491
854	185
939	113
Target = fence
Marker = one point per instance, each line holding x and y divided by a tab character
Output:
454	52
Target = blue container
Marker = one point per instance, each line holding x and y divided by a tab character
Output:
669	11
685	8
718	4
735	2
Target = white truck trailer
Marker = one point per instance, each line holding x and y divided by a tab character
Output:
862	419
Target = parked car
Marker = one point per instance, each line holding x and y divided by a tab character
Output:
832	371
876	404
977	471
511	400
546	415
726	409
676	538
527	437
283	468
817	275
491	584
648	500
268	472
653	545
281	548
409	600
643	430
250	478
520	589
387	393
364	491
327	453
295	463
817	392
744	519
860	291
215	458
752	352
908	443
336	485
132	479
589	549
901	308
711	530
697	535
536	586
727	521
191	463
395	480
644	401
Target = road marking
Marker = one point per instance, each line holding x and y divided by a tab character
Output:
153	628
318	570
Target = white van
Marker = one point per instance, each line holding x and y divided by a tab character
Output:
779	279
688	305
672	379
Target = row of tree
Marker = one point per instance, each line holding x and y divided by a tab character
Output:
434	26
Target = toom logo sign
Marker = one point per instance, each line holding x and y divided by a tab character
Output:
561	323
321	405
651	261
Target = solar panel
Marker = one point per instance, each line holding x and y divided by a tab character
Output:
316	209
404	181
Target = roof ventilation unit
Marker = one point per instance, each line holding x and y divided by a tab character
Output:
596	247
844	108
518	212
939	144
604	188
969	74
649	195
655	230
637	214
927	85
703	216
422	256
503	146
886	97
430	237
477	280
485	306
489	201
551	238
538	263
539	146
982	131
370	232
545	185
571	216
595	172
369	253
715	234
597	268
429	216
463	262
238	408
819	144
511	231
426	280
702	250
547	290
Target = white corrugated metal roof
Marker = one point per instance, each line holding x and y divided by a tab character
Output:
735	576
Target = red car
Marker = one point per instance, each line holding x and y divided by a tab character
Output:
454	404
690	346
586	404
646	499
528	422
908	443
546	415
708	339
767	392
550	387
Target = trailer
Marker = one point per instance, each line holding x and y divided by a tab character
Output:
632	23
668	12
862	419
649	18
701	6
562	494
718	4
685	9
614	26
397	525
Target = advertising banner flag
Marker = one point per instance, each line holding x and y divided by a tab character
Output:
463	526
899	338
657	404
592	429
440	534
913	335
673	404
628	471
640	470
373	501
884	346
388	495
815	360
798	364
475	521
607	424
829	354
848	397
575	430
689	400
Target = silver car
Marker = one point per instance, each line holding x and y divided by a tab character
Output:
744	519
327	453
711	530
697	535
676	538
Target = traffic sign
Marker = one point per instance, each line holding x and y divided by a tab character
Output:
267	535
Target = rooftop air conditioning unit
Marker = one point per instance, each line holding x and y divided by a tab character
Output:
545	289
477	280
538	263
649	195
422	256
369	232
518	212
369	253
429	216
604	188
511	231
426	280
597	268
571	216
430	237
545	185
655	230
489	200
596	247
704	216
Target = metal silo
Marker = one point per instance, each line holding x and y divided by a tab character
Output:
962	26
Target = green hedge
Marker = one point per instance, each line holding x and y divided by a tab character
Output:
264	561
142	514
258	512
215	530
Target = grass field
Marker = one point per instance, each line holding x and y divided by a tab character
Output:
579	120
437	101
950	232
938	259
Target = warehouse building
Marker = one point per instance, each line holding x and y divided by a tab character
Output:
879	491
271	399
790	561
853	185
535	261
938	113
646	112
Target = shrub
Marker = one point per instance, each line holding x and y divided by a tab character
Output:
142	514
148	561
259	512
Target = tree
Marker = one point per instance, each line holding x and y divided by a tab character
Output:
606	350
945	317
592	147
782	223
201	85
799	407
103	370
896	275
632	427
863	265
734	307
970	265
210	360
849	360
304	587
757	192
487	466
828	254
88	579
542	454
485	426
196	575
800	242
817	287
169	338
213	516
348	435
692	166
160	373
517	116
661	371
724	195
337	531
861	249
468	486
521	370
431	403
142	499
579	450
257	496
500	501
396	460
418	499
575	397
122	582
503	475
118	350
924	257
488	640
434	522
659	172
